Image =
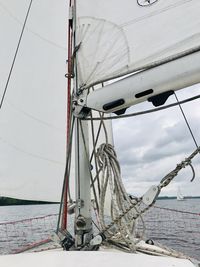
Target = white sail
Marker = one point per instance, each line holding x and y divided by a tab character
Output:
33	114
118	37
180	196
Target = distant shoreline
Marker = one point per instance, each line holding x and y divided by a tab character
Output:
8	201
174	197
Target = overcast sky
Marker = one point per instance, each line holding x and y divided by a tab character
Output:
148	146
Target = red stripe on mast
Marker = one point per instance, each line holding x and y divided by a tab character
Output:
69	69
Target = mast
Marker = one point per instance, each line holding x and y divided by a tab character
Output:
83	219
69	76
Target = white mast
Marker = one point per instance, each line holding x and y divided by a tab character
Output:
83	219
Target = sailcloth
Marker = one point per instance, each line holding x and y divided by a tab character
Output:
118	37
115	37
33	114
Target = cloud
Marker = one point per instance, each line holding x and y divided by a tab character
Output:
150	146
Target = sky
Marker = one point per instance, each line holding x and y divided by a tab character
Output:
148	146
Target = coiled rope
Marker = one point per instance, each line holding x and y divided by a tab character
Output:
124	210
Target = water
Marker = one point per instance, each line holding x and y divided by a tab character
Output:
180	231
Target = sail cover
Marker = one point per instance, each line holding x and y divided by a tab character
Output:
118	37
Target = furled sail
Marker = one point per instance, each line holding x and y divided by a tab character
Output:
119	37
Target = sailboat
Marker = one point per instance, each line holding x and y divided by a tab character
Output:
120	53
180	197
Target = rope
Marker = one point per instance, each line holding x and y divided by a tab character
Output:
125	211
146	111
170	176
15	56
120	200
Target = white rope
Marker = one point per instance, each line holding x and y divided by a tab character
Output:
111	183
124	210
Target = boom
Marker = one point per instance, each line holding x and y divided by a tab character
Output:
155	85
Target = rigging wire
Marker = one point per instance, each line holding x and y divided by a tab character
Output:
145	111
67	171
93	153
186	121
15	56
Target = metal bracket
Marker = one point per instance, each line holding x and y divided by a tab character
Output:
149	197
79	106
80	203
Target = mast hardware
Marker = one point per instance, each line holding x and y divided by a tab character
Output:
72	206
79	107
68	241
80	203
76	48
80	222
64	238
69	75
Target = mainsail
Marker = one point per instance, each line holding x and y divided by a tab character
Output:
33	114
115	38
119	37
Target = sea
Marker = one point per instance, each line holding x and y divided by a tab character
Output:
172	223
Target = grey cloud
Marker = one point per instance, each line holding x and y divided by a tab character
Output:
150	148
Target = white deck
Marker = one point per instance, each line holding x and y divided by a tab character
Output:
89	259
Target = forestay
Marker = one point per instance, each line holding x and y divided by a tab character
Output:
118	37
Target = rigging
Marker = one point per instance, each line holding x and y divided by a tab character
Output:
186	121
15	56
30	30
